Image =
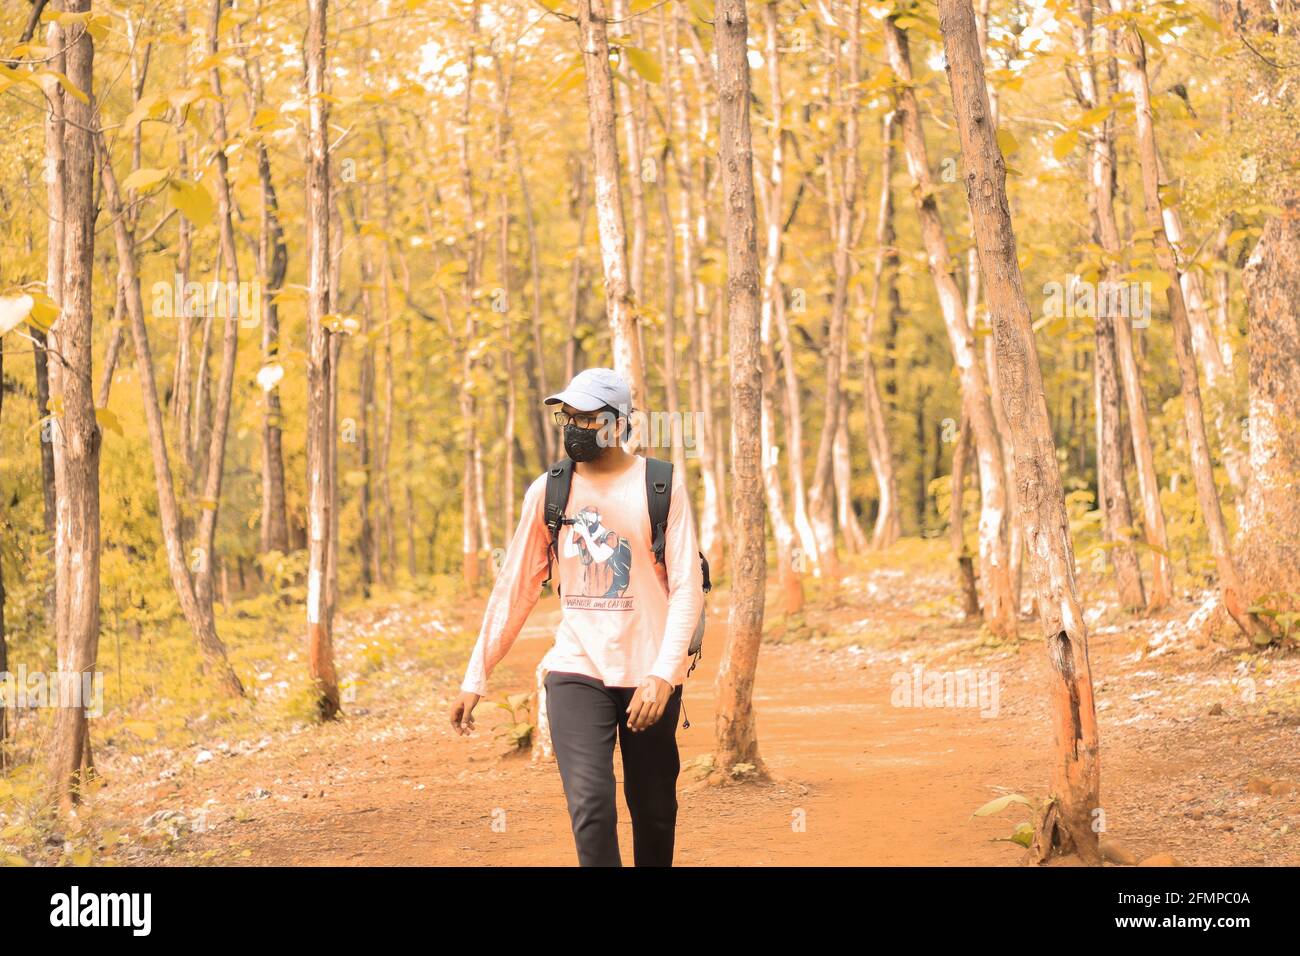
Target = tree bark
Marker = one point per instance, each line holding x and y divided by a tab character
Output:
210	501
1067	823
1133	66
76	434
320	425
736	733
273	264
997	593
957	521
1112	492
198	615
619	301
841	201
788	567
888	525
1270	528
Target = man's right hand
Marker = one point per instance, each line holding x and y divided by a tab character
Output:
462	712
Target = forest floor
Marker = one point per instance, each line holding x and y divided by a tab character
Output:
1200	749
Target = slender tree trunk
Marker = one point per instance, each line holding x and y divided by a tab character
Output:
692	301
737	738
626	92
544	435
366	545
55	177
1102	180
619	302
182	404
846	518
841	200
320	426
672	392
507	485
957	521
789	568
216	458
471	545
273	264
1067	824
1270	531
198	615
1112	492
76	434
997	593
888	526
572	346
1133	66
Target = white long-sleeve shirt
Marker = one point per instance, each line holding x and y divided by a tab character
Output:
624	616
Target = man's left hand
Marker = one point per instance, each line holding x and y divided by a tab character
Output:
648	703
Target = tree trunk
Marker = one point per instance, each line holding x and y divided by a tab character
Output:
198	615
210	502
273	264
737	738
841	204
1270	528
1067	825
1102	181
692	297
320	427
997	593
77	435
1133	66
470	542
788	567
888	521
957	521
609	202
1112	492
55	176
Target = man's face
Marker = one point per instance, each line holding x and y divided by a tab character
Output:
604	418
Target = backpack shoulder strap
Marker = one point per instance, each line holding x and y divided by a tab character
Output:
658	496
558	481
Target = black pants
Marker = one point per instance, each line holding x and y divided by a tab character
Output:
584	715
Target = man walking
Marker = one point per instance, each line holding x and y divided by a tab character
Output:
620	655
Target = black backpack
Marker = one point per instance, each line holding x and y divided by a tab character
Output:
658	488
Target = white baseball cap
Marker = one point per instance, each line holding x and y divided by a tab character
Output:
594	388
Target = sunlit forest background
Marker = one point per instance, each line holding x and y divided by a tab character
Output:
465	282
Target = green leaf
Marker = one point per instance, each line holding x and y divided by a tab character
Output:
1000	804
67	85
145	178
1007	142
192	199
1023	834
149	107
1064	144
108	420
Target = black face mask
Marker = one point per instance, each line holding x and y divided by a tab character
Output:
582	444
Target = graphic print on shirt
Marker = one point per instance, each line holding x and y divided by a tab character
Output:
606	560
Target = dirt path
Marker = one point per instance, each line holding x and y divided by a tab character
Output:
856	779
